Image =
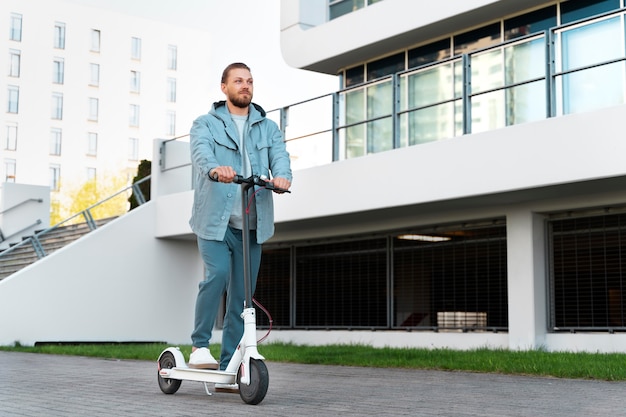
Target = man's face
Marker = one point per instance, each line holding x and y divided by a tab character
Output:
238	87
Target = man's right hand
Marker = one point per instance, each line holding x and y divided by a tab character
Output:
224	174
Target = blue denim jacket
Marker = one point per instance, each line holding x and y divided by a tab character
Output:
214	143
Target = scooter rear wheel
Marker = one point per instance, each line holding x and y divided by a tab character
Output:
168	385
259	382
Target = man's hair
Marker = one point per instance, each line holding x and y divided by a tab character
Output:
232	66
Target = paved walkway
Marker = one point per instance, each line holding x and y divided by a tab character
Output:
50	385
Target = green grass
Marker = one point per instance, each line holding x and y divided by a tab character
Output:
608	367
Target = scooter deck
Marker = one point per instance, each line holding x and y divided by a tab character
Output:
200	375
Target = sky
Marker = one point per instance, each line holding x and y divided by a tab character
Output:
245	31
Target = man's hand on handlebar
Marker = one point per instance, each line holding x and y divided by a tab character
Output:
280	184
224	174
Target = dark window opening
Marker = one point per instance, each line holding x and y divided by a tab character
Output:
355	75
572	11
273	288
588	273
342	284
451	280
386	66
455	279
528	23
433	52
477	39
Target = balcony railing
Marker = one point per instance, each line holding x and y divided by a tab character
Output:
570	69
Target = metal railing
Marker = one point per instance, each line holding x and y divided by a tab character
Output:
518	81
87	214
4	237
521	80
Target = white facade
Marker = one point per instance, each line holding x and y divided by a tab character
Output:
97	90
522	174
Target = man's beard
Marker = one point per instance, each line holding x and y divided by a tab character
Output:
240	101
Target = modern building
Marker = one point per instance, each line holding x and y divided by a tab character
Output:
476	185
84	91
463	189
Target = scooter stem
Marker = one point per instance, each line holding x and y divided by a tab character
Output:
245	187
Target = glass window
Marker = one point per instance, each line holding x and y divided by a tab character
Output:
435	94
94	74
340	7
385	66
14	62
59	35
355	75
581	9
13	99
477	39
95	40
171	123
55	177
172	57
91	174
539	20
9	170
353	137
433	52
591	88
92	143
502	67
171	90
57	106
93	109
135	48
55	141
133	149
135	81
11	139
379	104
134	115
15	30
58	70
362	104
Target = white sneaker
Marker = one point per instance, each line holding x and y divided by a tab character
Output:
201	358
230	388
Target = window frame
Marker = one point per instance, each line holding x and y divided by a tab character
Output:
59	35
13	99
15	28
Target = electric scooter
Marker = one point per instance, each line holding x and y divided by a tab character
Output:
246	367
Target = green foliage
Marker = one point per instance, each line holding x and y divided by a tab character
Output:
608	367
76	198
143	170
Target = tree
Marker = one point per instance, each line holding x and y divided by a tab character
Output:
76	199
143	170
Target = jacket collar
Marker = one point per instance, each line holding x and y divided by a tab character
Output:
256	112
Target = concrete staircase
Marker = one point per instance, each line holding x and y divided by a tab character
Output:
19	257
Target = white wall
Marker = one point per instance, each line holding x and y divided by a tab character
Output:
136	278
118	283
24	209
377	29
528	156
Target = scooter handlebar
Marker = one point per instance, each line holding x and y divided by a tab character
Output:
261	182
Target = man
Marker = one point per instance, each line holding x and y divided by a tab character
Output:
234	138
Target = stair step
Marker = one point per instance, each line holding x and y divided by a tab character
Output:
51	241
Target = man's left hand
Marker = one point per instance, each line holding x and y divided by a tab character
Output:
282	183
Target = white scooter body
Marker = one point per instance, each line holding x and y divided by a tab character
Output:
246	367
240	361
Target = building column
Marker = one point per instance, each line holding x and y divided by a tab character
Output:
527	294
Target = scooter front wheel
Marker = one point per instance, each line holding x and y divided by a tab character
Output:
168	385
259	382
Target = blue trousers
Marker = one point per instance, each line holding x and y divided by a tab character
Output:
223	272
